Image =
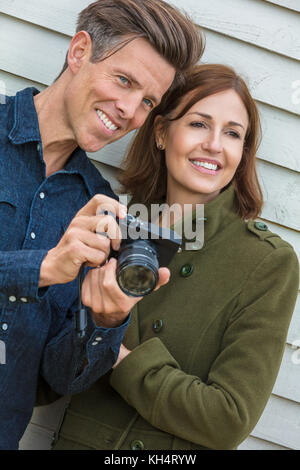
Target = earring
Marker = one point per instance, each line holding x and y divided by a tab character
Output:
159	146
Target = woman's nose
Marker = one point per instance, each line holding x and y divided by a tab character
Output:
213	143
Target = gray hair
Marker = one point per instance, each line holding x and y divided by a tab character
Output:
112	24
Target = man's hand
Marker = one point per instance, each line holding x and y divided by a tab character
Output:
109	305
81	243
122	354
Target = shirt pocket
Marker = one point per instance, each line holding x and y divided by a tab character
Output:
8	218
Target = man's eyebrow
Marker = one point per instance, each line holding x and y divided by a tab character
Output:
133	79
207	116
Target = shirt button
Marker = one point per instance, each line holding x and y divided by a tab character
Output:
42	195
99	338
12	298
32	235
4	326
157	325
38	147
137	445
186	270
23	299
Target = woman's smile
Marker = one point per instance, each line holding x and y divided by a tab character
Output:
204	147
206	166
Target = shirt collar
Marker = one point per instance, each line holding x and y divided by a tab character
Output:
78	163
26	129
25	125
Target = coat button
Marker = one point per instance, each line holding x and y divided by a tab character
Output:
137	445
261	226
157	325
186	270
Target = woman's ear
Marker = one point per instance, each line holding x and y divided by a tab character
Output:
159	132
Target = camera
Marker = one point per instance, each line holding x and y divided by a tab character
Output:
144	248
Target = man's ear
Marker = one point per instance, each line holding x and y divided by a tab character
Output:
80	51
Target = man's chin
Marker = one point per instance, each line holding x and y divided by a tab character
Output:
95	146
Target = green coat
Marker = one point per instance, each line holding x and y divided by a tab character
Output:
206	348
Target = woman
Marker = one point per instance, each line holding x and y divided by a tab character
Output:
201	355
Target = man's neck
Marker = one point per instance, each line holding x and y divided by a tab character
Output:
57	138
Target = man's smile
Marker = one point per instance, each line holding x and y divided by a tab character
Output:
107	122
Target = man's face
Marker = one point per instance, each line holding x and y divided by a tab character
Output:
106	100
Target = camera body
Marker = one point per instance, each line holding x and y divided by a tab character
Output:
145	247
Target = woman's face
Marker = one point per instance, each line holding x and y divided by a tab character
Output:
204	148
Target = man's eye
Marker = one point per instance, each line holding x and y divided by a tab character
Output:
124	80
148	102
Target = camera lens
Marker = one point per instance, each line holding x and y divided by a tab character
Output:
137	270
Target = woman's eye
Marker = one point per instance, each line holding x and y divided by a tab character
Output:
234	134
198	124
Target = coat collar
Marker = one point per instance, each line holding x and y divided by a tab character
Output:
212	218
205	222
220	212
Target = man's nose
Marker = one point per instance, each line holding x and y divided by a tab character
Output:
128	106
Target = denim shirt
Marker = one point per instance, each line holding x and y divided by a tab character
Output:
37	324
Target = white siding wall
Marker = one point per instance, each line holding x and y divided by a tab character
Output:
261	39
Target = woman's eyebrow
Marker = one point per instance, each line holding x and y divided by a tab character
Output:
207	116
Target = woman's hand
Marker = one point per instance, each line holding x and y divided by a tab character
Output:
102	294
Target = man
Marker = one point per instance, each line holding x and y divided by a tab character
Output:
123	58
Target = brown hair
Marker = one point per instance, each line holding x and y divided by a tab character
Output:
111	24
145	175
